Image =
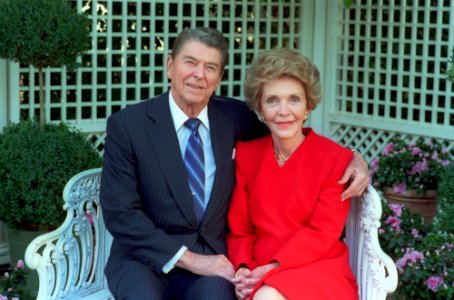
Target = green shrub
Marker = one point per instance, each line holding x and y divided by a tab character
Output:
35	164
450	71
445	198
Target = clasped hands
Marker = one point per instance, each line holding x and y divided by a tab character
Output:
245	279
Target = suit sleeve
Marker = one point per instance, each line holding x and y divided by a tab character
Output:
121	203
325	227
241	238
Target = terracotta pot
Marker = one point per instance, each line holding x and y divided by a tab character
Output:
425	205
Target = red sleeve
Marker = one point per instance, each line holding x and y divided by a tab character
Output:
241	237
324	229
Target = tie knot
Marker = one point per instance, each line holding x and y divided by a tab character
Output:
192	124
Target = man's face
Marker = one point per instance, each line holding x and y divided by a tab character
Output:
195	74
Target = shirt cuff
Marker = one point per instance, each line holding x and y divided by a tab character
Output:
171	263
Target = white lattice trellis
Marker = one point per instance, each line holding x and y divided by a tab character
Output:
392	73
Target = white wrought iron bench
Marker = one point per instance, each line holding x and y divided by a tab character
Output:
70	260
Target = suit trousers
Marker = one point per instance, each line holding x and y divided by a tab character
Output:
141	282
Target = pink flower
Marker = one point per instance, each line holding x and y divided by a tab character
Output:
388	149
409	258
415	151
434	282
20	264
6	275
394	222
400	188
396	208
445	163
415	233
435	155
373	166
419	167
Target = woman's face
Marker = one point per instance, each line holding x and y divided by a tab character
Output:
284	106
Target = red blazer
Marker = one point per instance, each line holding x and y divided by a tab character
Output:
291	214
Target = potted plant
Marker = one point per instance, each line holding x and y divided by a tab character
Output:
35	164
424	255
410	172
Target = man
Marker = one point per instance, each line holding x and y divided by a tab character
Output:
163	249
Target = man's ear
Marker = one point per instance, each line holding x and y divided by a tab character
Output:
169	66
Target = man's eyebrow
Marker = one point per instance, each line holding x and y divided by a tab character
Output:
195	59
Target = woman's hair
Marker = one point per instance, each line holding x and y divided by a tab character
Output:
206	35
277	63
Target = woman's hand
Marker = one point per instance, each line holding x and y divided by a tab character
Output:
245	279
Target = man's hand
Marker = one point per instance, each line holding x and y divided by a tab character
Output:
357	173
206	265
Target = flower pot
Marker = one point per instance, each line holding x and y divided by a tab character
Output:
425	205
18	241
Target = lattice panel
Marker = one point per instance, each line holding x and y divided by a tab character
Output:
393	61
131	41
98	139
369	141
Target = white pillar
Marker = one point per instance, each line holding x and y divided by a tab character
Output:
319	29
4	249
3	93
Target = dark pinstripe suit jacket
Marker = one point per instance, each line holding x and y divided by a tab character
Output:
145	198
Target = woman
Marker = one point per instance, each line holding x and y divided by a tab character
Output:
286	215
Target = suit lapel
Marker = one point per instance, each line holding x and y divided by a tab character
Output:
163	138
222	141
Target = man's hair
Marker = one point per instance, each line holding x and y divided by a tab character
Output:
206	35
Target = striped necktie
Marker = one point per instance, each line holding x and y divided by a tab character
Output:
194	162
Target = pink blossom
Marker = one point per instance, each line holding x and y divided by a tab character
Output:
396	208
15	298
388	149
445	163
409	258
415	233
400	188
6	275
435	155
394	222
374	166
400	265
434	282
20	264
415	151
419	167
3	297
